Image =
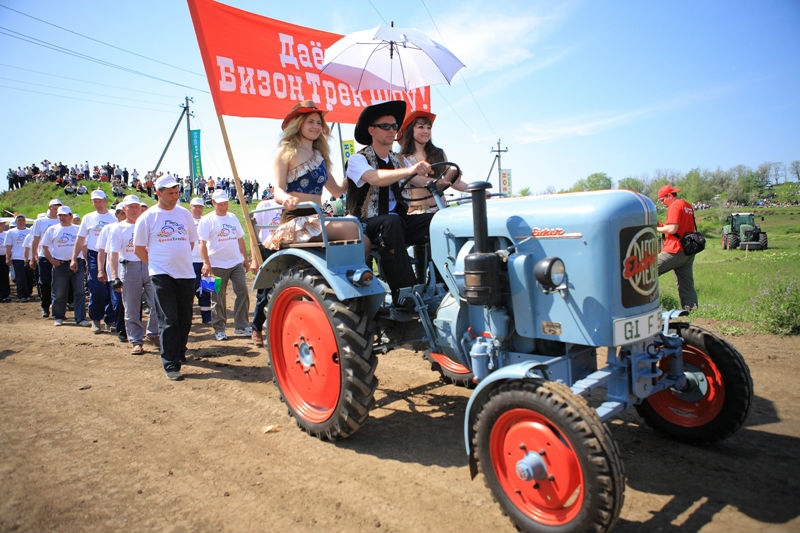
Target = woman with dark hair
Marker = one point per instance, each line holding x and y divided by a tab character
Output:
301	172
416	145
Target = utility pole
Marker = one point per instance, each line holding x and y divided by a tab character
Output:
189	140
497	159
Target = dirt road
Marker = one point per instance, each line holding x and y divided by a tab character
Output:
95	439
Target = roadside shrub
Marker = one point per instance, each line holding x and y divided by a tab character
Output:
778	307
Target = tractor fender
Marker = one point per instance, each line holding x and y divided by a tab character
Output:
337	278
527	370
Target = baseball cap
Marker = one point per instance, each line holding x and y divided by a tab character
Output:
197	201
667	189
64	210
219	196
118	207
98	194
130	200
55	201
166	182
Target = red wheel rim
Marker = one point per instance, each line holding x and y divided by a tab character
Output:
305	356
553	501
694	411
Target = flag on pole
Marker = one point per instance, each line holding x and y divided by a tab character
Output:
261	67
197	165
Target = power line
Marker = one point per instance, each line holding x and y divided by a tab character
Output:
27	38
82	99
92	82
103	42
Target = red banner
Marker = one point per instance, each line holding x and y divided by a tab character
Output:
261	67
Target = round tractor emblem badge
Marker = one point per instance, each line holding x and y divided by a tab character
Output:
640	262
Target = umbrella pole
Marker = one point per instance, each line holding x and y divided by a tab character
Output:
341	149
254	251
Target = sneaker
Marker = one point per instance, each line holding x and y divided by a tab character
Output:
152	339
58	321
247	332
122	337
137	349
45	313
97	327
258	338
84	323
173	375
220	335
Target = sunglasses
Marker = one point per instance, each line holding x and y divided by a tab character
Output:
385	126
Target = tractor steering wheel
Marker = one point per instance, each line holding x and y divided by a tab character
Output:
444	171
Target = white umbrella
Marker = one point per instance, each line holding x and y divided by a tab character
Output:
390	58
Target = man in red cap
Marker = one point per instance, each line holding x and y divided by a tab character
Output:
679	222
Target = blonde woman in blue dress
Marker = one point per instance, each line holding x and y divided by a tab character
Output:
301	173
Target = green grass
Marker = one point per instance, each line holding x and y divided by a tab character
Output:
733	285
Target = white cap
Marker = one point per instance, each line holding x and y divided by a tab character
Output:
197	201
98	194
166	182
64	210
55	201
220	196
130	199
118	208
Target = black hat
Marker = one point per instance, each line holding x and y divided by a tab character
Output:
396	108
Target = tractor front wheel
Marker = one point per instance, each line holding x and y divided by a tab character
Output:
321	354
549	461
718	396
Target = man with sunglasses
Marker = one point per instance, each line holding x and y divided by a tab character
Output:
373	193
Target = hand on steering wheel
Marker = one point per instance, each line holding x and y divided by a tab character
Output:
445	171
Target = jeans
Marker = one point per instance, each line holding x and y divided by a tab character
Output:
262	295
203	297
23	277
45	283
63	279
682	265
99	292
174	299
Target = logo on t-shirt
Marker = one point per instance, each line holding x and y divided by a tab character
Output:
172	229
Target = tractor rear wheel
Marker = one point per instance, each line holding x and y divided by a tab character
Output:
718	398
549	461
762	239
731	241
321	354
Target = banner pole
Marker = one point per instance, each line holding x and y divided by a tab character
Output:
254	250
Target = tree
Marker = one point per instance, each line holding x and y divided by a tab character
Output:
525	191
632	184
598	181
796	170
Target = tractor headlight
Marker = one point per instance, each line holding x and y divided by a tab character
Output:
551	274
361	277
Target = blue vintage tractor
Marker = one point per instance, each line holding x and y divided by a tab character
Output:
520	298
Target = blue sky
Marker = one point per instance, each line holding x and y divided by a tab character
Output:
626	87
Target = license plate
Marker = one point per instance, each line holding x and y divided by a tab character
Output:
634	329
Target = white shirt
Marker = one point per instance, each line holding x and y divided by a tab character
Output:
91	226
196	250
15	238
60	241
120	240
104	243
222	234
39	227
267	218
357	166
168	236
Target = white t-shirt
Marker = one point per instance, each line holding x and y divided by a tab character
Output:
27	245
168	236
91	226
104	243
60	240
267	218
15	238
120	240
222	234
39	227
196	250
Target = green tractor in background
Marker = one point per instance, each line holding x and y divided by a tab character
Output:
742	232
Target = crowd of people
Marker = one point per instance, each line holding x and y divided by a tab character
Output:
136	254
